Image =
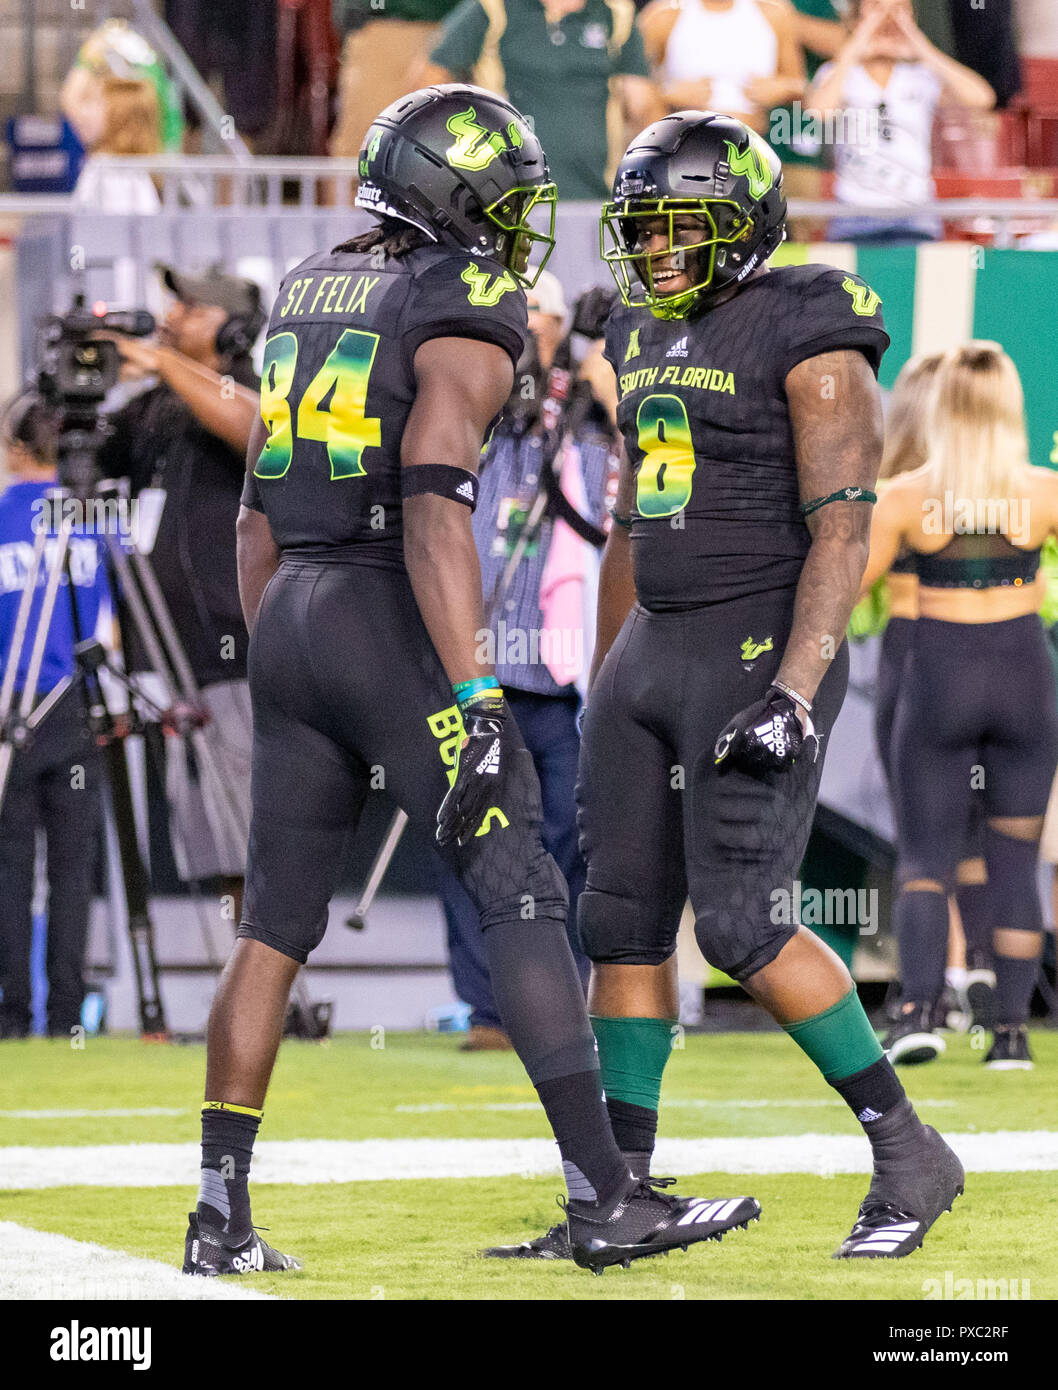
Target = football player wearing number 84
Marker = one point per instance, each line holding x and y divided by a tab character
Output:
386	362
752	430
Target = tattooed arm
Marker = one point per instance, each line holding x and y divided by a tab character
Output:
836	413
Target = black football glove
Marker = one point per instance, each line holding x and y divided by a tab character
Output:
767	737
478	773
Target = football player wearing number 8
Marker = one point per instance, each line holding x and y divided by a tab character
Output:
752	430
385	363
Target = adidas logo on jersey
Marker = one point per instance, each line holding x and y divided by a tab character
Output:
678	349
490	763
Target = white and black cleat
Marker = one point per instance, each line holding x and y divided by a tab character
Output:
882	1231
1009	1051
552	1245
912	1039
648	1222
209	1252
889	1225
979	990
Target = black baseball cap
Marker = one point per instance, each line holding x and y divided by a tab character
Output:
240	299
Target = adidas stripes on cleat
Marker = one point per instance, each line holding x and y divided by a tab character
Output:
554	1245
882	1231
647	1222
206	1251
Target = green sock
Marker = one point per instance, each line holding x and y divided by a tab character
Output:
632	1057
840	1040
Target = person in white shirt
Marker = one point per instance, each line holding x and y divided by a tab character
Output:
129	125
739	57
886	85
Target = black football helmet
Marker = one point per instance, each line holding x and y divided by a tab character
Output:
462	165
693	164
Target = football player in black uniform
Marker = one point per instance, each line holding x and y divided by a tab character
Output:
752	430
385	363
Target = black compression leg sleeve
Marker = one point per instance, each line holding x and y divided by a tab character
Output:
541	1004
976	924
1015	983
921	922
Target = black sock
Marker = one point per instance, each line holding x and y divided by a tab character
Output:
1015	983
875	1096
635	1129
972	899
592	1162
921	923
227	1146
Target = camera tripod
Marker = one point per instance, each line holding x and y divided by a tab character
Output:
130	575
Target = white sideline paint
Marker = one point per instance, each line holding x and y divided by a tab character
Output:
90	1114
435	1107
304	1161
41	1265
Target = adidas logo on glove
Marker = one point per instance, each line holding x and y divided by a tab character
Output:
491	761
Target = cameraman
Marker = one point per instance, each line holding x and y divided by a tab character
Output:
535	611
182	444
53	783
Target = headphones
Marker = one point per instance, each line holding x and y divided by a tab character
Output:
237	335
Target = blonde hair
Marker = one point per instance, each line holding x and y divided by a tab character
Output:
978	444
131	119
905	422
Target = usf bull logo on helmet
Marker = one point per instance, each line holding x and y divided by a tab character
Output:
463	165
715	187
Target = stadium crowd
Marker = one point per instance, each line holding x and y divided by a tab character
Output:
309	76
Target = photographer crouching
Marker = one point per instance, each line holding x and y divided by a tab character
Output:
182	445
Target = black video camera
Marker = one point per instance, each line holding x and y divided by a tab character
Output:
76	371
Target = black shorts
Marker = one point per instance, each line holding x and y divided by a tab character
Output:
658	818
349	696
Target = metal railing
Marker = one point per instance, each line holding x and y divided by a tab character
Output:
235	182
263	217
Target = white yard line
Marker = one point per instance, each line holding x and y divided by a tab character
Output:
91	1114
436	1107
305	1161
41	1265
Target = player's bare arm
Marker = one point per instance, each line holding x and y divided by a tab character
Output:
461	386
836	415
617	590
256	552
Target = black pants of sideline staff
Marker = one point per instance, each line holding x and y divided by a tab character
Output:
53	786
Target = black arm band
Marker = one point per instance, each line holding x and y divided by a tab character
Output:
457	484
843	494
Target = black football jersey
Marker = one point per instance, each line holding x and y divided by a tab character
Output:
706	425
338	383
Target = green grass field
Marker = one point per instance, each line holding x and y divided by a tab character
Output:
369	1239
